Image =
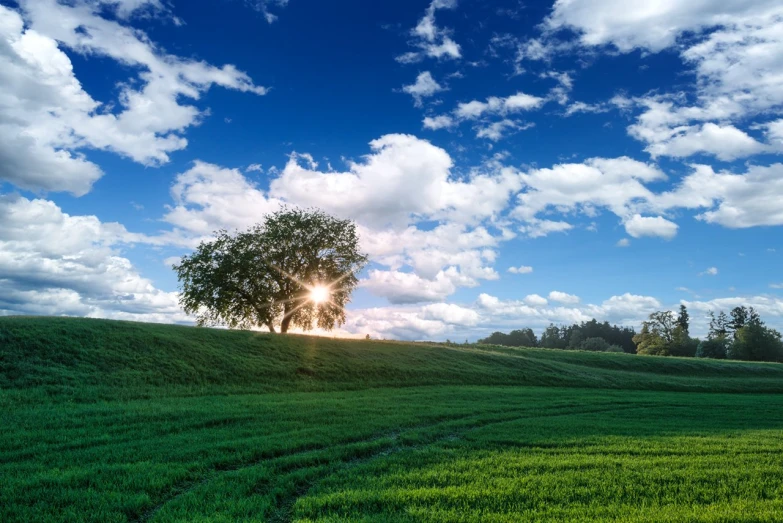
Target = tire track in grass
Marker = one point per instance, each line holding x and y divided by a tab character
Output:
284	511
277	464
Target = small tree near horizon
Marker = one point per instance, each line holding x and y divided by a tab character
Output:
298	267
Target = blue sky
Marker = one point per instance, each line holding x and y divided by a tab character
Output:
621	159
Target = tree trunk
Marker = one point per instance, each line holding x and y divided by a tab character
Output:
271	327
286	318
285	323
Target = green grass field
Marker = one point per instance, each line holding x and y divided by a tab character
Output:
113	421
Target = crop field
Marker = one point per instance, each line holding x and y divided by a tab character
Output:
111	421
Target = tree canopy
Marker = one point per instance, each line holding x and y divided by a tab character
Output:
298	267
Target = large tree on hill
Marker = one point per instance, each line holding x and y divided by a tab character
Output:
298	267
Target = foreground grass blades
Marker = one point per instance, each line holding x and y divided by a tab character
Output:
345	442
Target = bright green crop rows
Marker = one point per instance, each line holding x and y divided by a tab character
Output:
151	449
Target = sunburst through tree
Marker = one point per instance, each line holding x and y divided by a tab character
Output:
298	267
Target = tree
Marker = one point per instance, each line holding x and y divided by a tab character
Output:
515	338
716	348
719	326
682	344
756	342
298	267
522	338
739	317
594	344
657	334
576	338
551	338
650	341
683	319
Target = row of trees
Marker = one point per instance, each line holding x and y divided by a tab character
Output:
739	335
589	335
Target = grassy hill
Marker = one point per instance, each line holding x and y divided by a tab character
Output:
86	359
107	421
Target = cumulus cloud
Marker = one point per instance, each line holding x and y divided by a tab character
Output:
451	314
492	117
653	26
58	264
497	130
378	191
522	269
515	103
534	300
581	188
438	122
424	87
711	271
639	226
725	142
208	197
430	40
750	199
734	55
563	297
404	287
47	116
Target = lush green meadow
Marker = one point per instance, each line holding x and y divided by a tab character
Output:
114	421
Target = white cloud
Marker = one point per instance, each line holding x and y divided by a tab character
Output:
581	188
497	130
724	142
208	197
776	285
654	25
535	228
254	167
752	199
438	122
624	242
424	87
563	297
47	117
263	6
581	107
639	226
494	105
534	300
403	287
429	39
522	269
734	48
451	314
711	271
59	264
377	192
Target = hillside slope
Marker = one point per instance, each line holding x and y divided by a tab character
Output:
85	359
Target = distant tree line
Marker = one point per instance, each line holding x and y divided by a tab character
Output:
739	335
589	335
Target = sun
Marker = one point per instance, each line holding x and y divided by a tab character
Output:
319	294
